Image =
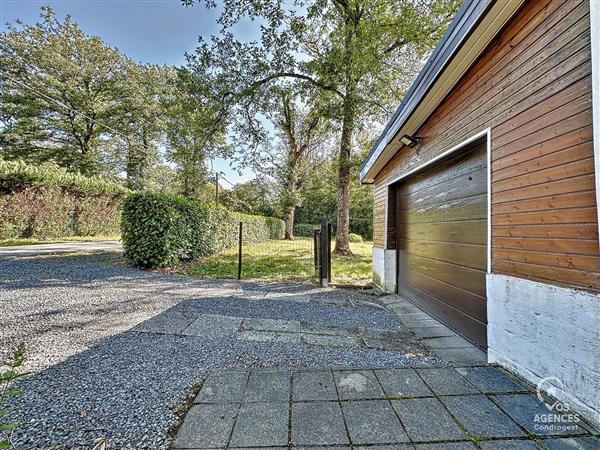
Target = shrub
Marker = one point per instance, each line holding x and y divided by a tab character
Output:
160	230
17	175
355	238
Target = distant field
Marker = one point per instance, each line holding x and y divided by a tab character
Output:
280	260
34	241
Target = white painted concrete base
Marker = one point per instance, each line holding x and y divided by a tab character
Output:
537	331
384	269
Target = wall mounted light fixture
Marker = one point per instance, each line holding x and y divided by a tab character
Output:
411	141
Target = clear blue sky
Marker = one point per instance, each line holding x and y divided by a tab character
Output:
150	31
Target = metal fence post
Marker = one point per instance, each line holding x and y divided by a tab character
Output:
239	277
329	253
324	272
316	249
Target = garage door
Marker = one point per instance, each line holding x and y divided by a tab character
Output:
442	241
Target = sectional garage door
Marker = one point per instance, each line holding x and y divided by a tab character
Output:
442	241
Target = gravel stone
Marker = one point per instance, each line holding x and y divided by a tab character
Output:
110	359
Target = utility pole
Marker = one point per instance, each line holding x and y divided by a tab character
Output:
217	188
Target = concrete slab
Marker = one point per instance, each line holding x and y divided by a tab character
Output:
472	355
490	380
446	381
268	336
372	422
355	385
425	419
480	417
448	342
268	386
579	443
401	383
331	341
513	444
319	423
313	385
213	326
207	426
261	424
276	325
224	387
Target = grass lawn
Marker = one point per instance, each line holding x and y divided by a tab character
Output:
35	241
284	261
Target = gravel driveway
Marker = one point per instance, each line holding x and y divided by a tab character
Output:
116	351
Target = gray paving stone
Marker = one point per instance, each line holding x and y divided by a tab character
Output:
329	330
580	443
276	325
268	336
360	384
420	323
330	341
372	422
446	446
223	387
324	448
480	417
446	381
206	426
523	408
402	383
509	444
430	332
256	448
268	386
213	326
462	355
261	424
425	419
448	342
385	447
319	423
490	380
313	385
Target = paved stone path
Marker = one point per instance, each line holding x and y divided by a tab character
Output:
428	408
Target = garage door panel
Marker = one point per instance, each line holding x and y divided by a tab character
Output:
468	163
472	256
442	241
467	185
470	208
463	323
465	232
454	296
468	279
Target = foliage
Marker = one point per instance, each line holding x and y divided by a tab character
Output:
159	230
354	58
258	196
47	202
9	372
304	229
54	212
355	238
283	260
16	175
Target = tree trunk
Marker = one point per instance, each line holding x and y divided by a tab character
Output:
342	246
289	223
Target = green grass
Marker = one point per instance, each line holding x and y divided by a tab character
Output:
281	260
35	241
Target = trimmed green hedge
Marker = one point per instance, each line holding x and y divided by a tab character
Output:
160	230
18	175
46	202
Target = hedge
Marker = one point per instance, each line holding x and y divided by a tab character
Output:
18	175
46	202
160	230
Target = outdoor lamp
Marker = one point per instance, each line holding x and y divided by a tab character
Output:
411	141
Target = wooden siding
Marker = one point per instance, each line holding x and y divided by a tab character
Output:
532	87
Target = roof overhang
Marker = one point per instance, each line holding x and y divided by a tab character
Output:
473	28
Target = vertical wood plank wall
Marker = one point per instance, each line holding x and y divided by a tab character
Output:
532	87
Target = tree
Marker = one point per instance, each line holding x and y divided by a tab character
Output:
357	56
58	91
195	131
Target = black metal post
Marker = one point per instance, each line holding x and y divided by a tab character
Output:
323	275
240	254
316	249
329	253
